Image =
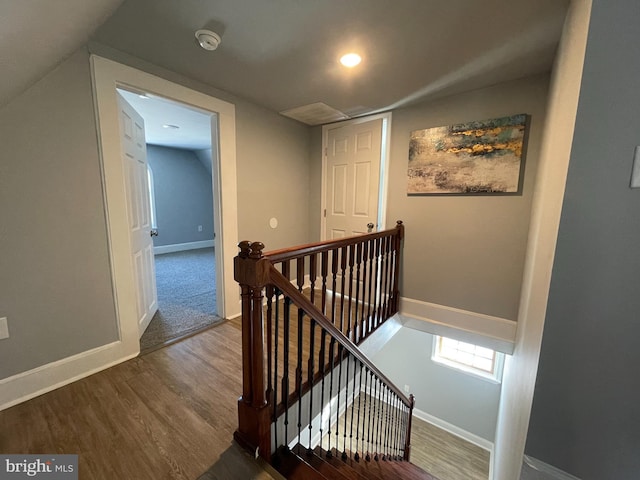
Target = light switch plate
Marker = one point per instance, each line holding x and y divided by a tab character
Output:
4	328
635	174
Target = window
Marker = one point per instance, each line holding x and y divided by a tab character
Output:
469	358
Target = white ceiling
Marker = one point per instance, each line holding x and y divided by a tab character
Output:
194	132
282	54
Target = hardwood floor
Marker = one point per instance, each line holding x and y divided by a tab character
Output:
445	455
438	452
166	415
170	414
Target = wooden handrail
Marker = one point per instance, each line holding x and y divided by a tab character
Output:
372	259
310	309
292	253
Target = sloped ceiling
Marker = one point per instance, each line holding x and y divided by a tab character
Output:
283	54
36	35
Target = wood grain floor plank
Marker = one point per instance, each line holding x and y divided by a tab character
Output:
169	414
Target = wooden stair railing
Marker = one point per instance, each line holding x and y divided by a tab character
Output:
304	379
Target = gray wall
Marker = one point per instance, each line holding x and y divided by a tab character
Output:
585	418
55	282
183	194
466	252
205	157
460	399
272	162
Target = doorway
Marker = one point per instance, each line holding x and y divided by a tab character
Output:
180	158
107	77
354	180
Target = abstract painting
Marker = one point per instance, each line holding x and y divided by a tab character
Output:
472	158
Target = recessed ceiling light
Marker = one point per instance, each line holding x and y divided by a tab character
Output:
350	60
172	127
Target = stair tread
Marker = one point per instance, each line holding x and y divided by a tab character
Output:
292	467
326	468
378	469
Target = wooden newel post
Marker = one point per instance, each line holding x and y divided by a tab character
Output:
407	441
399	236
251	271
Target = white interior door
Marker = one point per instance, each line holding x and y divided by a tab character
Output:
353	178
134	163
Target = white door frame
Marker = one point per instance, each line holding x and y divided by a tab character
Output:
384	166
106	76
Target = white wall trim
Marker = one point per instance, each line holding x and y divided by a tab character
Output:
454	430
182	247
106	76
520	370
547	469
492	332
32	383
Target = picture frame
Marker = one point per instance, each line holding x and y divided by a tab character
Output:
482	157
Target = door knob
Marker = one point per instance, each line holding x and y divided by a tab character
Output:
370	227
153	232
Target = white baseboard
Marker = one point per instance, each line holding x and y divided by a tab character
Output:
454	430
181	247
32	383
547	469
477	328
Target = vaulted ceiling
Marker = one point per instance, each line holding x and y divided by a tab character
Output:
284	53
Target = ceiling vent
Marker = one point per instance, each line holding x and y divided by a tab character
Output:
315	114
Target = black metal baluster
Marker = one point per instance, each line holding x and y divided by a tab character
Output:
343	269
346	409
269	335
300	282
357	329
363	320
350	333
334	275
313	268
394	428
397	424
324	259
385	280
376	319
359	369
322	364
285	352
332	363
368	383
372	278
338	388
353	406
311	366
275	367
387	419
376	422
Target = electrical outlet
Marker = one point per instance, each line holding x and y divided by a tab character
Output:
199	228
4	328
407	389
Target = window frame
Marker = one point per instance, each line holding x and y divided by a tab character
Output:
493	377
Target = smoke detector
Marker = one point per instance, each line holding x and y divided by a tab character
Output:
208	40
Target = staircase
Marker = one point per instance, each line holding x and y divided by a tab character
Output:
313	405
301	463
